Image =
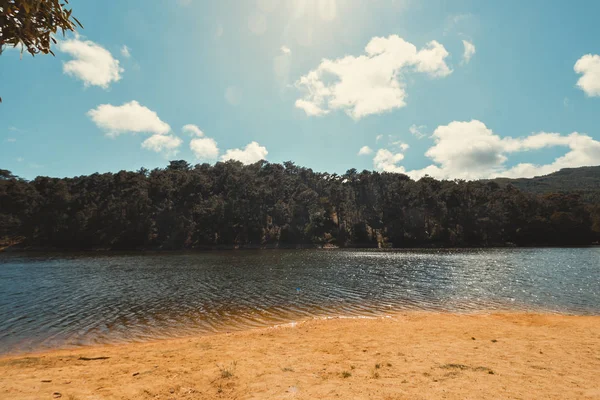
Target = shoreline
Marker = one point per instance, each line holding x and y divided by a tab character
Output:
17	250
407	354
186	334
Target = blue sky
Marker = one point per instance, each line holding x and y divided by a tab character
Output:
312	81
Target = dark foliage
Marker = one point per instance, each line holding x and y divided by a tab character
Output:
273	205
32	23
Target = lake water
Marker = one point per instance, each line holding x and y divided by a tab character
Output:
70	300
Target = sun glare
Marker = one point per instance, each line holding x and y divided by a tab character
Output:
303	20
325	10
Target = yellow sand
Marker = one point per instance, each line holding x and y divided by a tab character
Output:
408	356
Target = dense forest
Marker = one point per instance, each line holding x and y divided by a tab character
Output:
273	205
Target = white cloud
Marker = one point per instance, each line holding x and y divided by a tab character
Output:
125	51
470	150
372	83
431	60
92	63
166	144
583	151
403	146
20	159
192	130
469	51
311	109
11	140
378	138
417	131
129	117
204	148
387	161
589	67
467	150
286	50
252	153
365	150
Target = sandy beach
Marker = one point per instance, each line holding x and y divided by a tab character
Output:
406	356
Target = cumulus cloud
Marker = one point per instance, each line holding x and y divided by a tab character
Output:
470	150
589	67
431	60
252	153
387	161
372	83
129	117
91	63
167	144
204	148
365	150
378	138
583	151
192	130
132	117
469	51
466	150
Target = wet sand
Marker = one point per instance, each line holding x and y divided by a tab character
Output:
407	356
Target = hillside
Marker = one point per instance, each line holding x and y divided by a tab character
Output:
585	180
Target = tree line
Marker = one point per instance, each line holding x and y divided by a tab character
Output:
273	205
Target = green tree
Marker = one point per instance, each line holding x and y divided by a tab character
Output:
32	24
269	205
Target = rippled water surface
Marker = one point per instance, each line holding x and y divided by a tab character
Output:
50	301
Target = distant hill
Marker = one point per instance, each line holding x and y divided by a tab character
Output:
585	180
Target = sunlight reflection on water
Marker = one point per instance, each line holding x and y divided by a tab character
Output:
70	300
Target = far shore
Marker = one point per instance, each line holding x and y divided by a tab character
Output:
19	249
414	355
